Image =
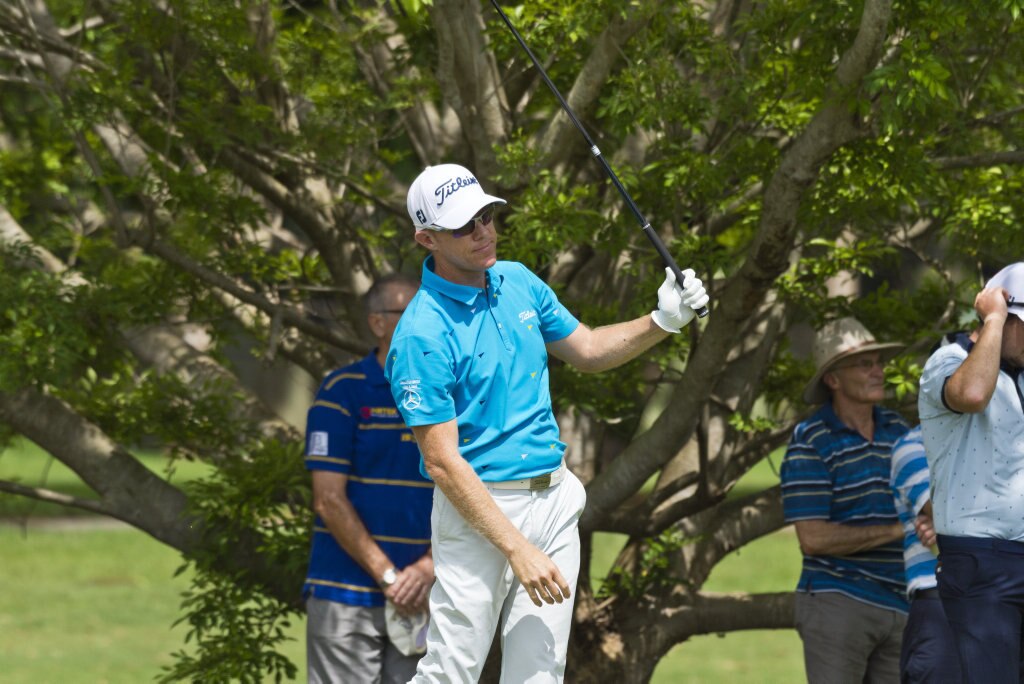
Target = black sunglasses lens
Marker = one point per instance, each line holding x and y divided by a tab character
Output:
466	229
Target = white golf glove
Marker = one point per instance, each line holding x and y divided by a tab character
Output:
678	305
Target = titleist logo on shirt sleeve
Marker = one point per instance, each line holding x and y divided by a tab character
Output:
451	186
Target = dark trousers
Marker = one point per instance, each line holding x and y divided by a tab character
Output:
929	654
981	581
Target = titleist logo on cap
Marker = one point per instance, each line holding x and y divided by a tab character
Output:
451	186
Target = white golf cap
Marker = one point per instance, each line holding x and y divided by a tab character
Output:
1011	279
446	196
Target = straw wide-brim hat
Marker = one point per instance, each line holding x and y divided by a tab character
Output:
836	341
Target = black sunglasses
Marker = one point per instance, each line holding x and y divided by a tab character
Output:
484	218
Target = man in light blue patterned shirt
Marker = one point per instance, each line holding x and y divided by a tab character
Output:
929	652
971	405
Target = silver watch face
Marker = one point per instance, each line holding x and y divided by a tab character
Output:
389	577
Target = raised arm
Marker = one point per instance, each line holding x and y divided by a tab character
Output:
595	350
453	475
970	388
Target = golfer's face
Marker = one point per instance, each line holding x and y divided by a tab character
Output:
1013	340
473	253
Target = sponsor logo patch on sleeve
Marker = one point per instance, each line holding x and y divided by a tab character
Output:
318	444
411	400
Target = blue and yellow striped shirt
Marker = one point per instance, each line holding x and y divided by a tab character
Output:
354	428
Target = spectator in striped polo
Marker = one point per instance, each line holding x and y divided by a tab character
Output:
370	563
851	601
929	650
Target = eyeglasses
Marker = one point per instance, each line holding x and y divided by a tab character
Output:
484	218
863	364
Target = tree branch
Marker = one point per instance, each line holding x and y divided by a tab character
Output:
129	490
561	141
469	79
976	161
50	496
289	315
716	613
728	526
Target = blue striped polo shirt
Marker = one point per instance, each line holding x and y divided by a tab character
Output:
832	473
478	356
910	493
354	428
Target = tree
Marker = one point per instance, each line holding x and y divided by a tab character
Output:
181	179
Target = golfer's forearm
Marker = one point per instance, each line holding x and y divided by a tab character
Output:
596	350
457	480
463	488
823	538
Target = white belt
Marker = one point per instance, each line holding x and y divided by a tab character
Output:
534	484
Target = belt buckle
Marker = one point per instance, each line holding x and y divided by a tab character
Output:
540	482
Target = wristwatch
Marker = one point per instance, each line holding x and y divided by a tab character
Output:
389	577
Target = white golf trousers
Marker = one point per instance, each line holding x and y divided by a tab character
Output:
475	588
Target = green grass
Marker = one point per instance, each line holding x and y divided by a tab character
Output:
97	605
88	605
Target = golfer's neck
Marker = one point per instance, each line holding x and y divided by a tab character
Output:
453	274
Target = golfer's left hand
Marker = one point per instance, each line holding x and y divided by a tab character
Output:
539	575
678	305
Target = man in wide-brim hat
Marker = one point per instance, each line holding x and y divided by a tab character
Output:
850	602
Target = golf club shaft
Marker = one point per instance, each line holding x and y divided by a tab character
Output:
645	225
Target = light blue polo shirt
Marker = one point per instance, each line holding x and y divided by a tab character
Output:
976	459
478	356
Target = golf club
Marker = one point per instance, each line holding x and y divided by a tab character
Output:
644	223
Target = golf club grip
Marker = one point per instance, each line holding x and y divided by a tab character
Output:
594	150
702	312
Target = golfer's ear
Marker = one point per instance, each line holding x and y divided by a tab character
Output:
427	239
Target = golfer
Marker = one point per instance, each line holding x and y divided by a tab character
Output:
468	368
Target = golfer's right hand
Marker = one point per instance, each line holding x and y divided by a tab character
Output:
539	575
991	302
678	305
